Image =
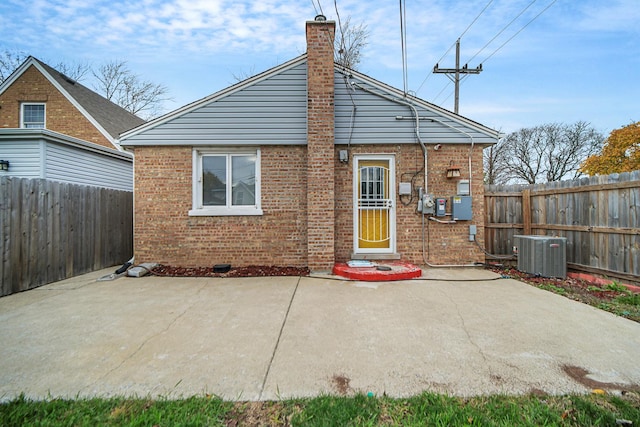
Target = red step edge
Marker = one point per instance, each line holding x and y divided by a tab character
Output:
399	271
601	281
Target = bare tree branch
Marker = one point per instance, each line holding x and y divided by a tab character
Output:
349	44
74	70
549	152
243	75
494	159
9	61
141	97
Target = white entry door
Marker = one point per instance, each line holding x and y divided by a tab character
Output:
374	210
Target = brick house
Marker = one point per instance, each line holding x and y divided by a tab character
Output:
52	127
336	162
36	96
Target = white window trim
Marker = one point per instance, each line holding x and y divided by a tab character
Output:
22	105
197	209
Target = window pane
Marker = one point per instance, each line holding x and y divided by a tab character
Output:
214	180
243	172
33	116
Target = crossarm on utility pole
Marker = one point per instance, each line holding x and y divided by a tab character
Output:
456	74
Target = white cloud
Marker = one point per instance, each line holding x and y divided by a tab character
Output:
615	15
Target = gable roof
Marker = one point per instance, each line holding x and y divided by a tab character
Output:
216	96
386	91
109	118
246	101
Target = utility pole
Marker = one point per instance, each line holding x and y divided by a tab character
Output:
456	74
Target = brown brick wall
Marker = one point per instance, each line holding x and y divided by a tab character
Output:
445	243
320	143
165	233
61	115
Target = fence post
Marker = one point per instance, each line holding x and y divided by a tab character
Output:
526	211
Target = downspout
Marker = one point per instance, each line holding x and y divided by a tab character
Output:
424	150
424	256
417	129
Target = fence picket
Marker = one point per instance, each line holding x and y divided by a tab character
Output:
53	230
599	216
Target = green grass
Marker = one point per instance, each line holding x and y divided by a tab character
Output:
552	288
427	409
613	297
626	305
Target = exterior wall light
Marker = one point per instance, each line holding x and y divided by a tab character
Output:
453	171
4	165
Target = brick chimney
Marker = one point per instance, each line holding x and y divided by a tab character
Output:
320	145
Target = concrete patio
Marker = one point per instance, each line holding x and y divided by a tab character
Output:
456	331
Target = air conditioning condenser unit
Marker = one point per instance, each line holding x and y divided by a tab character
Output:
542	255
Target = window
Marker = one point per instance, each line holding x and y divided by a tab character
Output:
226	183
33	116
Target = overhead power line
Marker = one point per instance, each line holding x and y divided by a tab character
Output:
502	30
454	74
403	37
510	38
319	6
451	47
476	18
519	31
315	8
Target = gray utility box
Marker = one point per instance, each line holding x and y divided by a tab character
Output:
461	208
542	255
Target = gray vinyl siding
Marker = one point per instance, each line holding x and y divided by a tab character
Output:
48	155
271	109
70	164
374	120
270	112
25	158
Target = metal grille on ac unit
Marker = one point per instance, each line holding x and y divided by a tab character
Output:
542	255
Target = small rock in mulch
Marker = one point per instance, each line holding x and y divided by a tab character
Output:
249	271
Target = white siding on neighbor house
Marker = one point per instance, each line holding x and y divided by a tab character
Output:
374	120
25	157
271	111
70	164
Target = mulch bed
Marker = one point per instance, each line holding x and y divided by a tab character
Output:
250	271
577	289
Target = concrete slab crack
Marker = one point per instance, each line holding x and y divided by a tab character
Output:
466	331
149	338
275	348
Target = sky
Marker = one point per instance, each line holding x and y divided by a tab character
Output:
543	61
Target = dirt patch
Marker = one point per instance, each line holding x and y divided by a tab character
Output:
537	392
341	384
249	271
254	414
579	375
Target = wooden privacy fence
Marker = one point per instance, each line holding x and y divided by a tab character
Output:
52	231
599	216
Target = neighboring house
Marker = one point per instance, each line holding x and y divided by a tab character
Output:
55	128
335	162
41	153
38	96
